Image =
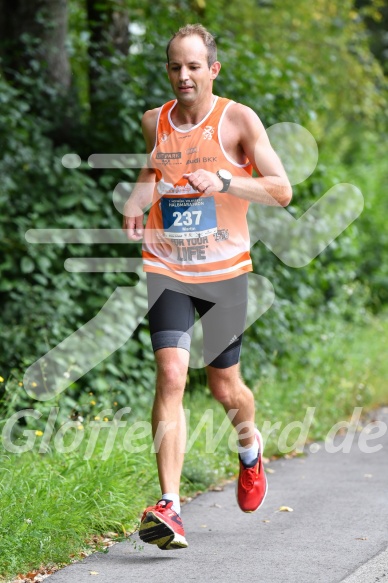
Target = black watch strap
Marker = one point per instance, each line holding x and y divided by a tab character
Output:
225	181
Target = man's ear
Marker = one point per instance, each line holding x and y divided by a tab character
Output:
215	69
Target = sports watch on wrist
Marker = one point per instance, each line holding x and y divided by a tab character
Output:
225	176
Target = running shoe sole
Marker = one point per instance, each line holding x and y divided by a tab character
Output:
155	531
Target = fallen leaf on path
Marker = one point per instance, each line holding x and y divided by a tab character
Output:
36	576
265	521
298	452
269	471
285	509
93	572
362	538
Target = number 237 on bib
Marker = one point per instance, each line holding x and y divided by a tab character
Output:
184	218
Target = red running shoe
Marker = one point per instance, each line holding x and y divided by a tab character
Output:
161	526
251	487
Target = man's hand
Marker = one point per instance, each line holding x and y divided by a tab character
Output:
204	181
133	221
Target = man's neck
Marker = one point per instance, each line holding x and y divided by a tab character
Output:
186	116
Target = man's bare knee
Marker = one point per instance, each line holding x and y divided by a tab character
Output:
172	368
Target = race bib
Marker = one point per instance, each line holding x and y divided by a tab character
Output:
185	218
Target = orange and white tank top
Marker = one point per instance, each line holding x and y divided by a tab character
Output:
190	236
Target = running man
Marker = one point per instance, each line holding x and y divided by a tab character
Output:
202	150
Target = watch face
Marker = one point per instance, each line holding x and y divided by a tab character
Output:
225	174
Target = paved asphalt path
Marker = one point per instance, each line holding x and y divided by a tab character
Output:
338	530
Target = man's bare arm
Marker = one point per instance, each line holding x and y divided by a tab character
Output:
141	196
272	187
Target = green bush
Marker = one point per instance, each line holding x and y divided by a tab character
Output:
43	303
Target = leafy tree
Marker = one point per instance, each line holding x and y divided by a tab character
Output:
286	60
34	59
375	15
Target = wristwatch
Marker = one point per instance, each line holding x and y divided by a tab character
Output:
226	177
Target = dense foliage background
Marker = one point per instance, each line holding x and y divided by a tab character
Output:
77	76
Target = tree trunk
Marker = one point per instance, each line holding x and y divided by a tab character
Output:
120	27
109	38
111	16
33	33
108	26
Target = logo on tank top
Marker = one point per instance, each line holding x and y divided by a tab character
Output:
208	133
205	160
221	235
168	155
192	150
163	137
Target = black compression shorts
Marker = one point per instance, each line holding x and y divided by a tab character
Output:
221	305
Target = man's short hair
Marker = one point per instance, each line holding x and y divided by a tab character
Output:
199	30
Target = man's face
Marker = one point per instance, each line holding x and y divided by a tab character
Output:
188	69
